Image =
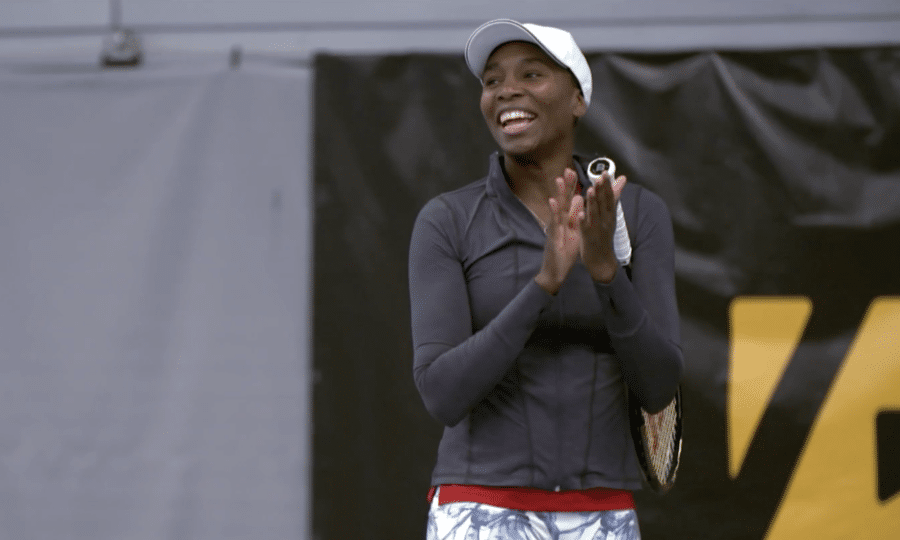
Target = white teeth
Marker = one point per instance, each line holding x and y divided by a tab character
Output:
515	115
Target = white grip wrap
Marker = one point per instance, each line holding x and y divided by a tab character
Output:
621	243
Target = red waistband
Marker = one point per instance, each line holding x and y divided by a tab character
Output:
537	500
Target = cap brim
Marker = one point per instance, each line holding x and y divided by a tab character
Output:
491	35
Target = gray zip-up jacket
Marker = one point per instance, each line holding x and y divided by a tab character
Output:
531	387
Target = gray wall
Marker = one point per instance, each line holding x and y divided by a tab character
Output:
155	228
303	27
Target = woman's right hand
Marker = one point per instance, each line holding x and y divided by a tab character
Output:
563	233
598	228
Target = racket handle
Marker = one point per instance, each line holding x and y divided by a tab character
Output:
621	243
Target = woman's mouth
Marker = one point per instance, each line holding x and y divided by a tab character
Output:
515	121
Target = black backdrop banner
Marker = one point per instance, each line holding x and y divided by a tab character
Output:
782	174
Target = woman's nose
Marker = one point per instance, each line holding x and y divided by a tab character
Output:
509	88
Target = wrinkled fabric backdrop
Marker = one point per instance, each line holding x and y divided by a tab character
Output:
782	174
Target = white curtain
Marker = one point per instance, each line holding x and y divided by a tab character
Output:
154	281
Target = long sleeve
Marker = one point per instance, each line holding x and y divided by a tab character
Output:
455	368
642	314
530	386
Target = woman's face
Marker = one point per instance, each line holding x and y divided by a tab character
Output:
529	102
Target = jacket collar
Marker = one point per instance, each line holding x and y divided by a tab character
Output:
498	186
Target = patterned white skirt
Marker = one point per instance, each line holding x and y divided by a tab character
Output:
477	521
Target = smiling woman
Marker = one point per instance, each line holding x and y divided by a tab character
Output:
529	102
526	331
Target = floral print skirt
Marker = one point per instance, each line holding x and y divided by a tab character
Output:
477	521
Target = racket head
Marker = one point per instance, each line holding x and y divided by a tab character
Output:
657	442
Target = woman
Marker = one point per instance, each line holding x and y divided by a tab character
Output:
526	330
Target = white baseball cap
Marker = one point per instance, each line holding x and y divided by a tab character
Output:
558	44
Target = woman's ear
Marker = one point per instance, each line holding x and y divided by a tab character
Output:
579	107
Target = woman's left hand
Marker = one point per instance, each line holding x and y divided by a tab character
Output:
598	228
563	233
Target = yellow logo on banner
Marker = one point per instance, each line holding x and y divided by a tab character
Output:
765	333
833	491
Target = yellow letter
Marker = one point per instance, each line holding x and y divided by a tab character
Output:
765	332
833	492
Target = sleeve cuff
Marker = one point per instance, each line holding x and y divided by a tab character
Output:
623	309
535	296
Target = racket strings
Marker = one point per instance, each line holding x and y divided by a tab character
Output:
659	434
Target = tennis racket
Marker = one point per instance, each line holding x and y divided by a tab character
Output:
657	441
657	437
